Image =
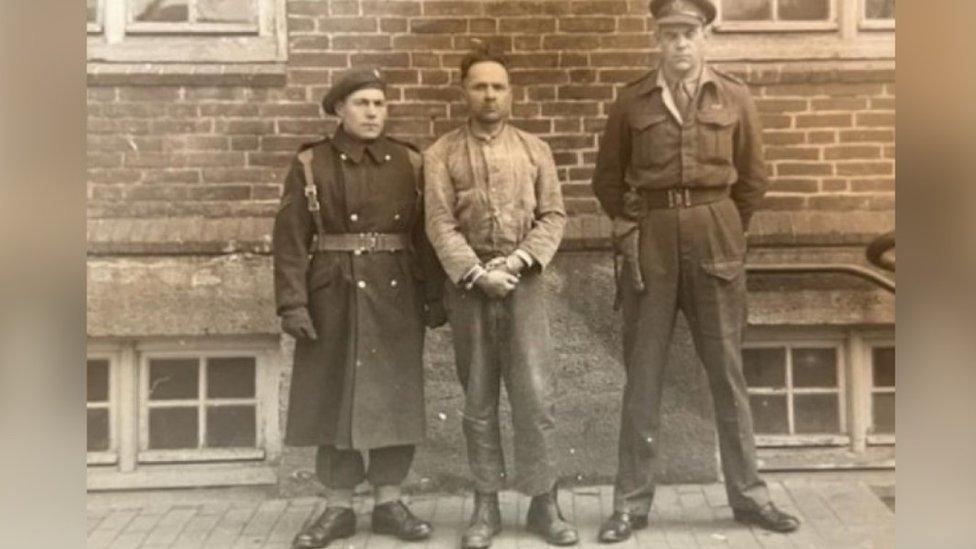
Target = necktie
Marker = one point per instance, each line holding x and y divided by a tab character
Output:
682	98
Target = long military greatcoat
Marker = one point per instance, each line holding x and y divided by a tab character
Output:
360	384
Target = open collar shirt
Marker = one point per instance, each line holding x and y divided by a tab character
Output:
491	195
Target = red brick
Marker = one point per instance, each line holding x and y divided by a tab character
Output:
529	77
781	105
779	202
570	59
104	160
823	121
255	127
528	42
438	26
839	104
803	168
153	160
576	206
418	110
883	103
865	168
219	192
432	94
453	8
154	93
840	202
265	192
244	143
128	110
566	42
207	143
852	152
391	25
564	158
775	121
563	142
397	59
343	7
527	25
300	24
786	185
624	41
387	7
156	192
495	42
165	176
823	136
113	193
483	25
269	159
508	7
598	7
621	76
423	42
435	78
314	43
229	109
408	126
803	90
300	59
114	175
361	42
308	7
290	109
525	110
238	175
103	94
594	125
206	159
858	136
835	90
875	119
541	93
347	24
180	126
570	108
566	125
792	153
873	185
534	125
587	24
833	185
889	152
532	60
783	137
582	76
585	92
622	59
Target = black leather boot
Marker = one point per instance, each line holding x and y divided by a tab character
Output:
767	517
486	522
394	518
545	519
620	526
334	523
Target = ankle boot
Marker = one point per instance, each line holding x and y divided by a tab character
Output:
486	522
545	519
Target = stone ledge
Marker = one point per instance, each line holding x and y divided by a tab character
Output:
186	74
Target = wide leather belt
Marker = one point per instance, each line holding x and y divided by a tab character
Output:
362	242
682	197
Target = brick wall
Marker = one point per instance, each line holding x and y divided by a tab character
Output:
200	146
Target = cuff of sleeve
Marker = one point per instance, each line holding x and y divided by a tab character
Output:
474	273
525	257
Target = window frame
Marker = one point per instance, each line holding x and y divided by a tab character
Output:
776	25
111	455
793	439
211	468
96	26
877	439
149	42
869	24
201	403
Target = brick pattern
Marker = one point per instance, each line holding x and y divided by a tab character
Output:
220	148
835	515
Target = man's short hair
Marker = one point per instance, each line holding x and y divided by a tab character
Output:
481	55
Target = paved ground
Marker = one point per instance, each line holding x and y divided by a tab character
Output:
836	514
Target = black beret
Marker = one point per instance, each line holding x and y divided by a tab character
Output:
351	81
689	12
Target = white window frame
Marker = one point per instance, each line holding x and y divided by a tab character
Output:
843	37
133	468
96	26
777	25
201	403
111	455
118	39
878	439
805	439
865	23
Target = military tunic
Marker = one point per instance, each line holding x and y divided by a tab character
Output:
359	385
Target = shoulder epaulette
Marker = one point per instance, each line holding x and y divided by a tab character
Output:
311	144
406	144
729	76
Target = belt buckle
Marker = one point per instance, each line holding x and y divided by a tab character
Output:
679	197
371	242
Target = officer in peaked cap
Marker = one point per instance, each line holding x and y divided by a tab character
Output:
680	172
355	283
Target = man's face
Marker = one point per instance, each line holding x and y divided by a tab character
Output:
682	47
363	113
488	92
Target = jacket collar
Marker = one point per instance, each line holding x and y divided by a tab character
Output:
655	80
355	148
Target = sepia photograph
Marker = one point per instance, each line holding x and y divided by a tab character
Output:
503	273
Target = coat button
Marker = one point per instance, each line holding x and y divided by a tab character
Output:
393	283
396	217
361	284
353	217
357	251
343	156
359	363
387	158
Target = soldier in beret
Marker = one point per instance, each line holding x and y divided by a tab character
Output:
355	283
680	172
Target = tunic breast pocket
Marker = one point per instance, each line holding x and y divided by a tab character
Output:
716	130
650	139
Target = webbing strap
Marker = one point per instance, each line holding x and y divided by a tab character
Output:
311	192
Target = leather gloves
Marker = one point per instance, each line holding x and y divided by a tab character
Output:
626	244
298	324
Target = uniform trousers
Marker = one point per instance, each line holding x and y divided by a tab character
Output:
344	468
691	260
506	340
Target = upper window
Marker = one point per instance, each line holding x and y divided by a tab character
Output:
877	14
776	14
186	30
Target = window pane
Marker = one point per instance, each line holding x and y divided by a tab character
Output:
880	9
764	367
747	10
816	414
804	10
227	11
92	11
97	430
171	428
883	363
230	377
884	413
231	427
97	380
170	11
814	367
173	378
769	414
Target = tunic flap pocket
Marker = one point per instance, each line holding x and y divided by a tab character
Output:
725	270
642	121
717	117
